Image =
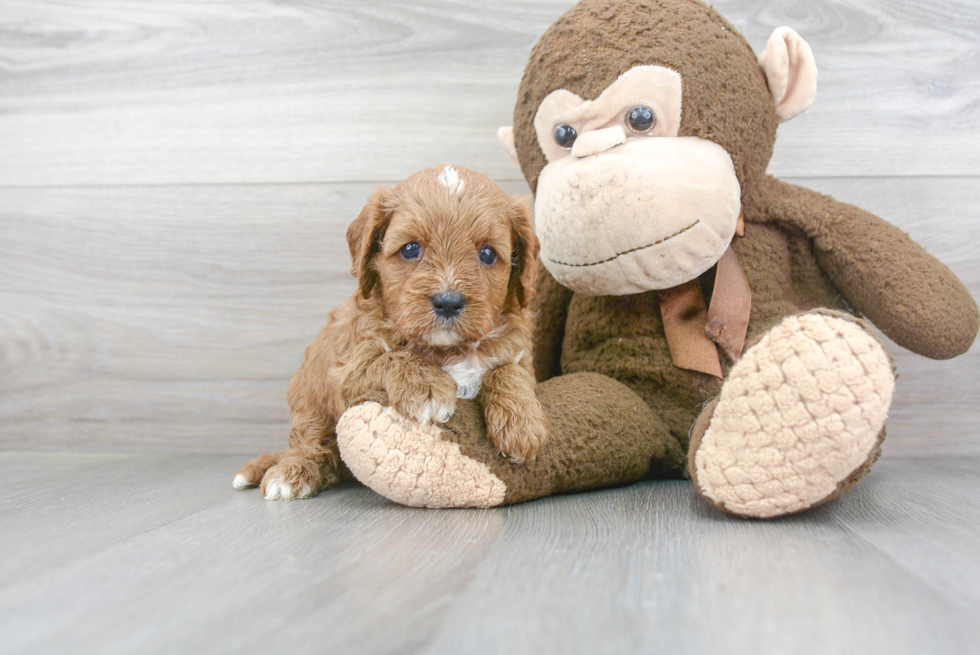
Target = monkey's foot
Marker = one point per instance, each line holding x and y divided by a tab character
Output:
411	463
799	419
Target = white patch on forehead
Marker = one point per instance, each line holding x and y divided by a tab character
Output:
451	180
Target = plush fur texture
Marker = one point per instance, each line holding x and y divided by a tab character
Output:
800	412
617	406
586	448
725	95
389	338
445	477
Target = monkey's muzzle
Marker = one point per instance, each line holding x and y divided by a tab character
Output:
650	213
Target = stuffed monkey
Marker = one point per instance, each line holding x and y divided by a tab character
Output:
697	317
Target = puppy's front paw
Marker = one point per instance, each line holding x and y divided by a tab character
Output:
428	411
518	428
292	479
433	411
426	396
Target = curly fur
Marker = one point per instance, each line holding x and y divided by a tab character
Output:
387	338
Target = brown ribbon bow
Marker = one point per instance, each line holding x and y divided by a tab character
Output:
693	329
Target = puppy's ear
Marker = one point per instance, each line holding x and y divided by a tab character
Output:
364	238
524	258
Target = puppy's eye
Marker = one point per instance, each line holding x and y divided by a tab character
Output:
565	135
488	256
410	251
641	119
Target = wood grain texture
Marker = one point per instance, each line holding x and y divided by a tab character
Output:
112	92
159	318
157	554
176	179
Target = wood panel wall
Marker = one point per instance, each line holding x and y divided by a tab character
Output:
176	179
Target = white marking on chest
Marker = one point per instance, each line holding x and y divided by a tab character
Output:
468	374
451	180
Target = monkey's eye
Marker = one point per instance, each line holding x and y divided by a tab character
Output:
641	119
488	256
565	135
410	251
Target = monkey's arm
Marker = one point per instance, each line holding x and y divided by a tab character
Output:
550	303
909	294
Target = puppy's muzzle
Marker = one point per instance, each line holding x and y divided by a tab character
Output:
448	304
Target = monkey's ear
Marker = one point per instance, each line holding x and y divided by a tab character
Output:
364	238
506	136
791	72
526	248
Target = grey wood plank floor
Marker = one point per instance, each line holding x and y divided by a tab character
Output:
157	554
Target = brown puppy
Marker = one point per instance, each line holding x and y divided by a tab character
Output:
446	264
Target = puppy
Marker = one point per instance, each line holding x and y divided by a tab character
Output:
445	265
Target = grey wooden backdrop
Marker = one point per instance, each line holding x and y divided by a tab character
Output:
176	178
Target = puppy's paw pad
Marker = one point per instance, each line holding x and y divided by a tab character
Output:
240	482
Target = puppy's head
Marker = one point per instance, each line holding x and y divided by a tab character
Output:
447	252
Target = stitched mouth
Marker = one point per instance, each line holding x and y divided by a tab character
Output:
632	250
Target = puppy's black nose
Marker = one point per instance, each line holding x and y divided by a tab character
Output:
448	304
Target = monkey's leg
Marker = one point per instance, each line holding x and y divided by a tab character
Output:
600	433
799	420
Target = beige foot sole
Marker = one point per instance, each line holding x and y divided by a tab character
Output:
410	463
797	418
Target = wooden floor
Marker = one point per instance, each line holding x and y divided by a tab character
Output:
157	554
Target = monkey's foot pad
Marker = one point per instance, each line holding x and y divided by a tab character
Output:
798	420
410	463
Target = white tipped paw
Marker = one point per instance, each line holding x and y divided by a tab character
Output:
241	483
435	411
427	395
430	411
277	489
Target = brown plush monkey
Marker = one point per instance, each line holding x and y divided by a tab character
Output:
697	316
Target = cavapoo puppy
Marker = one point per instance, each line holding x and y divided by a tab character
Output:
445	265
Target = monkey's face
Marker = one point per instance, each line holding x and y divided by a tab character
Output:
624	205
